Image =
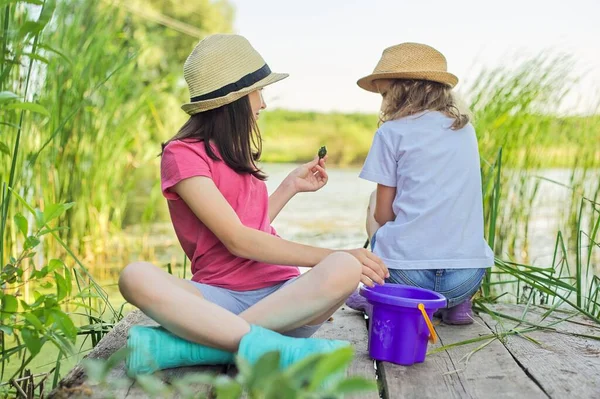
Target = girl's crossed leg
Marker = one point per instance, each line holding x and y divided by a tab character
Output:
179	307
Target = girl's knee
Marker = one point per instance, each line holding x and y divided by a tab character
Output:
342	270
344	260
131	277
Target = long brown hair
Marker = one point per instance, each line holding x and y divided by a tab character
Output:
405	97
233	130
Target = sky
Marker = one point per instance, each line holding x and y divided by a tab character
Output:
327	45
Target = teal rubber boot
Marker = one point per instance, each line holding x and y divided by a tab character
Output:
154	348
260	341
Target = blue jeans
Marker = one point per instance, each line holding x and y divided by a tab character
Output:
457	285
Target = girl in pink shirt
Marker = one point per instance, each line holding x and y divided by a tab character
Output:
246	295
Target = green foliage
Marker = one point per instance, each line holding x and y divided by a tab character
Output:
100	82
75	96
318	376
531	139
569	280
286	139
34	322
167	30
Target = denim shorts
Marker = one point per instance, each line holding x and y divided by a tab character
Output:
238	301
457	285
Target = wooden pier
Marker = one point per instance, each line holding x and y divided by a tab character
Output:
510	357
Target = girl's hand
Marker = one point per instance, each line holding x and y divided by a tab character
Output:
374	270
308	177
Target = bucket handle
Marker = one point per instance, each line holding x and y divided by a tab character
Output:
432	334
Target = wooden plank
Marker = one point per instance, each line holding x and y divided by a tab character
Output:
349	325
74	384
563	365
491	372
346	325
433	379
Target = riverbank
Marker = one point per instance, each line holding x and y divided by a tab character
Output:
294	136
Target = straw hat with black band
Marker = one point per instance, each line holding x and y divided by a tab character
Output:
410	61
223	68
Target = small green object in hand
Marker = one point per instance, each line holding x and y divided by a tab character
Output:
322	152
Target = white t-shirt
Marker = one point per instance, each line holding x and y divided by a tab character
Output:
438	204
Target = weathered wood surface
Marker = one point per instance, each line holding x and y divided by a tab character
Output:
492	373
75	385
563	365
349	325
423	380
489	373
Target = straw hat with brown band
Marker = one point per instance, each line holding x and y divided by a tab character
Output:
224	68
410	61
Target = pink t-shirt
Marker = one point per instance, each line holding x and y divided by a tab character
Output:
211	262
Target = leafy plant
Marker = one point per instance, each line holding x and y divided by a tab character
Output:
38	304
32	322
318	376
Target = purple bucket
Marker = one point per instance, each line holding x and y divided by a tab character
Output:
399	331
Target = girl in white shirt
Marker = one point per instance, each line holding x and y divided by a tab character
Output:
425	221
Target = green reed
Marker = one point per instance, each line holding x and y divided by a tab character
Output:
79	101
570	279
40	297
518	110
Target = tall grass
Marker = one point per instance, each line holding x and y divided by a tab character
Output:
99	118
570	279
518	110
104	91
77	113
27	324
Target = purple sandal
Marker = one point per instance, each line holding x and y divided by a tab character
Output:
359	303
458	315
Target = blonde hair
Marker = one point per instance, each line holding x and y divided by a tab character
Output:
405	97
